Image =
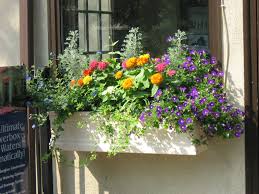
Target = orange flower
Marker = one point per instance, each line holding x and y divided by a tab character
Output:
131	63
72	82
156	79
143	59
80	82
127	83
118	75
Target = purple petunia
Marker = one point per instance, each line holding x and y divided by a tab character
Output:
192	68
174	99
203	100
183	88
194	93
213	60
183	128
181	121
142	117
205	112
189	120
158	93
178	114
211	81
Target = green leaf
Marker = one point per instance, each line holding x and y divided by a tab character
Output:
154	90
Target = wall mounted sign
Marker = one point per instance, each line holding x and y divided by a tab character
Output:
13	151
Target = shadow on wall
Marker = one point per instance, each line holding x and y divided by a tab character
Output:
234	92
9	32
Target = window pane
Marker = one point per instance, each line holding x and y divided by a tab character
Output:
106	31
106	5
93	32
82	29
93	4
82	4
159	19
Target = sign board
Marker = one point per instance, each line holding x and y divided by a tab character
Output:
13	152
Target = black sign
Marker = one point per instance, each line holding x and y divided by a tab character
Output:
13	153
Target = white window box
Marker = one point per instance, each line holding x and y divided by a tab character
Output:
157	141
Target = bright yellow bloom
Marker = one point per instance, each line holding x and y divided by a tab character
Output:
127	83
131	63
118	75
87	79
143	59
156	79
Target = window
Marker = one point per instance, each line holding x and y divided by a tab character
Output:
100	22
92	18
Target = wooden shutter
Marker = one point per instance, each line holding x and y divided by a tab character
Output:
215	29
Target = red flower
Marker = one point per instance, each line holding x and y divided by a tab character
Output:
87	72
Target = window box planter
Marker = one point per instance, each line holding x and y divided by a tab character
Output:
157	141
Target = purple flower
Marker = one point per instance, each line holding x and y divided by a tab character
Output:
181	121
149	114
183	88
202	52
151	106
179	107
205	112
211	81
142	117
237	134
206	76
185	65
185	104
214	73
189	120
216	114
178	114
158	114
204	61
198	80
172	111
166	110
158	93
213	60
211	104
159	109
183	128
194	93
174	99
221	74
214	90
192	52
192	68
203	100
189	58
221	100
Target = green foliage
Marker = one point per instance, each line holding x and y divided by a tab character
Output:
132	44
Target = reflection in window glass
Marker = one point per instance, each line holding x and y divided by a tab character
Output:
156	19
93	4
93	32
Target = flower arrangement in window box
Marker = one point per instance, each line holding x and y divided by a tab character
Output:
129	98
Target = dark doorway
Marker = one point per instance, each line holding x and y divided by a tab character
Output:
251	40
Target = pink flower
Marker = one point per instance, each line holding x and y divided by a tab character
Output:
123	65
171	73
102	65
93	65
160	67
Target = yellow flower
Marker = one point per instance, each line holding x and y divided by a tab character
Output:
143	59
127	83
156	79
131	63
87	79
118	75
